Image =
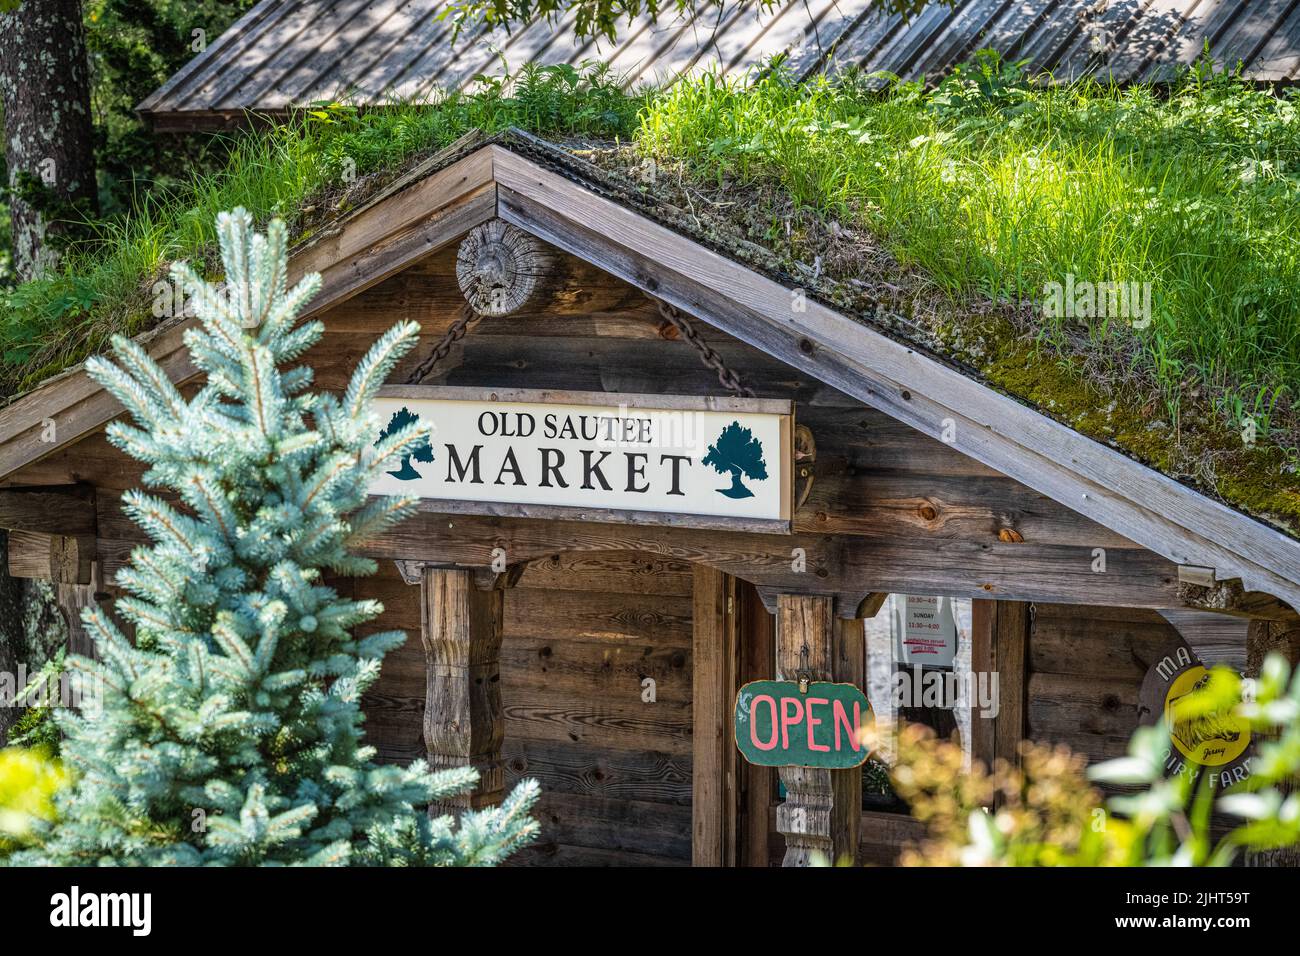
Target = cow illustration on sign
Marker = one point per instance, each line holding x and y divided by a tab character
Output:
422	452
737	451
1207	737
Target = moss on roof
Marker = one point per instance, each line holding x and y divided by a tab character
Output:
997	341
940	215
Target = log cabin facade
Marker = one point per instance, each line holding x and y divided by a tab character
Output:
601	654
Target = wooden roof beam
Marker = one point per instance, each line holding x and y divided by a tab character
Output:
49	509
1150	508
852	570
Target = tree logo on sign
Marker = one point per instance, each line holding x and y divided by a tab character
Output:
422	452
737	451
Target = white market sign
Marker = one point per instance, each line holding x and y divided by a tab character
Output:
704	462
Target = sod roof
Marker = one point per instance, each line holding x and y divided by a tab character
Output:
851	278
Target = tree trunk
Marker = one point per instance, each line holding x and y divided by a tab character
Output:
49	145
49	151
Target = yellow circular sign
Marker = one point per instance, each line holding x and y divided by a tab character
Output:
1209	739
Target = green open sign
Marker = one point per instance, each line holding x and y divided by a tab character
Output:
777	726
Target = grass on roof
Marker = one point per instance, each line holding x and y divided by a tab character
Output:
106	285
992	184
999	185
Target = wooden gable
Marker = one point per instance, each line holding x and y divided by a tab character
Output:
896	501
925	478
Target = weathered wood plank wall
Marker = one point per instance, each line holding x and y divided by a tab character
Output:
581	635
582	630
1086	666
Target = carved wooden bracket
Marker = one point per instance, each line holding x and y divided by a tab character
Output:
409	570
850	604
61	559
1229	597
501	268
805	457
485	579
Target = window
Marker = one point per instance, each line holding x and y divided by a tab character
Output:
905	635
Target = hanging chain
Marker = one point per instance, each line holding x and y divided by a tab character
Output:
708	355
453	335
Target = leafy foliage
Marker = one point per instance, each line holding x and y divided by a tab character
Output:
133	47
1048	815
1170	818
602	18
29	780
229	732
591	18
36	728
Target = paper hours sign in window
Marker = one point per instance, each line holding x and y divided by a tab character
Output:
926	631
696	462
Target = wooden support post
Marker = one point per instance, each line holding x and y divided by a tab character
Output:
1000	644
713	764
463	722
848	666
822	812
73	598
756	640
1012	650
983	660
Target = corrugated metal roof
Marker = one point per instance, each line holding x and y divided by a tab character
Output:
285	53
1123	39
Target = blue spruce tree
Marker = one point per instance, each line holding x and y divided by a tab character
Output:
230	732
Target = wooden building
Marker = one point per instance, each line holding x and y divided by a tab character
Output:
599	649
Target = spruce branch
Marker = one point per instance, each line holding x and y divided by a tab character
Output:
241	694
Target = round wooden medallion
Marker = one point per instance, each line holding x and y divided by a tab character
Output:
500	268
